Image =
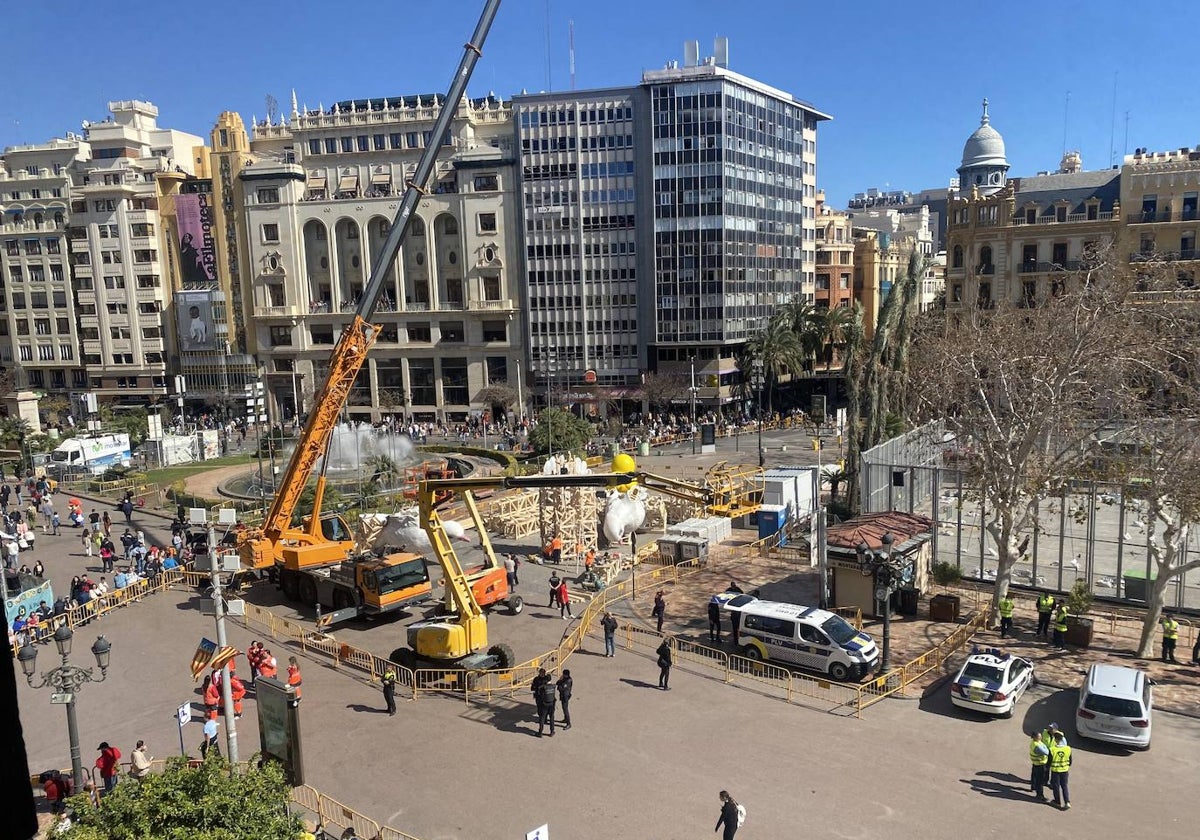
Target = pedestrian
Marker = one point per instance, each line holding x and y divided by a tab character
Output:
212	698
1005	607
141	760
565	686
714	619
237	692
564	601
1170	628
660	609
55	523
664	665
516	570
554	582
510	571
210	738
109	764
1039	758
294	680
106	523
732	816
1045	608
1060	767
544	697
1060	625
127	509
389	690
254	658
609	625
267	667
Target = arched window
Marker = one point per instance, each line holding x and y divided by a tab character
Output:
985	255
958	257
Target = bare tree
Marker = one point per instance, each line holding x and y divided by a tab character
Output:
1031	391
661	388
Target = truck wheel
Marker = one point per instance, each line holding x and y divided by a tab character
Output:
839	672
308	591
503	655
289	584
515	605
342	599
404	657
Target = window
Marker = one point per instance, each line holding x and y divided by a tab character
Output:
66	352
25	353
330	145
56	273
411	140
270	233
45	352
268	195
487	222
314	147
958	257
495	331
110	257
768	624
379	142
418	333
145	255
347	144
62	326
142	229
38	300
453	332
491	288
281	336
486	183
396	141
33	246
41	326
364	144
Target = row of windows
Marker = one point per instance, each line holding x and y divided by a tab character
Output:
37	274
373	142
33	195
45	352
566	115
607	169
32	247
605	196
58	378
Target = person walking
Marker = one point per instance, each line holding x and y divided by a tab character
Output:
1039	758
510	571
237	692
660	609
127	509
564	601
1060	625
609	625
141	760
210	738
1170	628
544	697
109	764
1005	607
252	658
85	538
294	680
714	619
389	690
1060	767
664	665
565	686
732	816
1045	608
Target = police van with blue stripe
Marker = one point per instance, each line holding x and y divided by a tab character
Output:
805	636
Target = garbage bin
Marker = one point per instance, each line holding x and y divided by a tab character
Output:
944	608
644	448
614	449
1135	583
909	598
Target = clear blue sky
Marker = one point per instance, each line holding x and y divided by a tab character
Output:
903	81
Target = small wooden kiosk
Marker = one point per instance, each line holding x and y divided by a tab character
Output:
911	535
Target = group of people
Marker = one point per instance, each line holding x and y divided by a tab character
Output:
1050	756
547	693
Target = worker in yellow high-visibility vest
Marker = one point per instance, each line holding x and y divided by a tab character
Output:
1045	608
1170	628
1005	607
1060	767
1039	757
1060	626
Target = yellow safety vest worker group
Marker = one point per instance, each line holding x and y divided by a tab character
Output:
1170	628
1060	758
1045	604
1006	607
1060	620
1035	756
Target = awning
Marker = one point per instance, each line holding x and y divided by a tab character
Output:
381	178
348	183
316	182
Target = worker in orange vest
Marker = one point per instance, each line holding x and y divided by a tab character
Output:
293	679
555	553
238	691
589	559
268	666
212	698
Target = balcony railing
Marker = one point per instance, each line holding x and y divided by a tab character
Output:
1070	219
1031	267
275	311
1163	256
491	305
1146	217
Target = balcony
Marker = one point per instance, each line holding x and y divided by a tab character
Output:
276	311
1163	256
1147	217
503	305
1070	219
451	306
1047	267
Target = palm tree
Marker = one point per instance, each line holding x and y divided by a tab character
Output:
806	322
834	325
779	348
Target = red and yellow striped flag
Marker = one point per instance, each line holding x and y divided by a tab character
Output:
224	655
204	654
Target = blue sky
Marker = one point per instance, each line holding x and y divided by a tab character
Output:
903	81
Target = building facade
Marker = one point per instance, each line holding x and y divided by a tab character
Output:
320	193
834	286
1161	215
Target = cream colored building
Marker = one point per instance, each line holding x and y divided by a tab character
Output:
1161	215
320	191
834	258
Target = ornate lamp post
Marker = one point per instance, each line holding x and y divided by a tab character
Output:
888	570
66	680
692	389
757	379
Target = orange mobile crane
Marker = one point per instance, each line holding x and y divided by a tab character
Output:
306	557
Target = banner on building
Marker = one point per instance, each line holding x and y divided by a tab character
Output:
194	310
197	247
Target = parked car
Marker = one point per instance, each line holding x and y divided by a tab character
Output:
991	682
1115	705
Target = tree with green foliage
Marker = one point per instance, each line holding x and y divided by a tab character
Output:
779	348
132	422
561	428
193	803
332	500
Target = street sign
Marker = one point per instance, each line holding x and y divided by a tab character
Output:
184	713
62	699
539	833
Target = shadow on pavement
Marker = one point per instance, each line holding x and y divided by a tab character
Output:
360	707
1003	777
999	790
638	683
509	716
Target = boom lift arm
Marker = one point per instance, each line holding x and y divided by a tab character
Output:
351	351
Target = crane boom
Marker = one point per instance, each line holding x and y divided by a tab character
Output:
351	351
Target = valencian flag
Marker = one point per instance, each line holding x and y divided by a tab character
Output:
204	654
222	657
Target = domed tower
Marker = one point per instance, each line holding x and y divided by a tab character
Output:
984	165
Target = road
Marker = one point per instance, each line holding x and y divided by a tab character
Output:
638	762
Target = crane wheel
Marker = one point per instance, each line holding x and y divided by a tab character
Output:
404	657
515	605
308	591
289	584
504	656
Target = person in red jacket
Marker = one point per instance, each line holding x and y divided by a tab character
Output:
267	666
564	600
238	691
212	698
293	679
109	764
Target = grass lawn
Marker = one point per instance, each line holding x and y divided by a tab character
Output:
169	475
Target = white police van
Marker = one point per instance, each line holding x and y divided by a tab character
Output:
805	636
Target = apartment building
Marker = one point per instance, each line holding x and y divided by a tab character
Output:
1159	193
320	190
39	335
835	257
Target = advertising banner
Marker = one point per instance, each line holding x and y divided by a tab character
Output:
194	311
197	247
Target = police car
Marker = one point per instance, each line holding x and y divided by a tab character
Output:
991	682
805	636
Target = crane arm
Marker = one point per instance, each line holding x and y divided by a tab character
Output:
351	351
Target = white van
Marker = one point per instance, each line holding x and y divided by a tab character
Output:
1115	705
805	636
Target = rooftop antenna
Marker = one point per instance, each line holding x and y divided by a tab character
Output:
1066	109
1112	134
272	109
1125	146
549	75
571	49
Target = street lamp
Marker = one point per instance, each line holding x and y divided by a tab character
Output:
66	680
693	391
888	570
758	380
